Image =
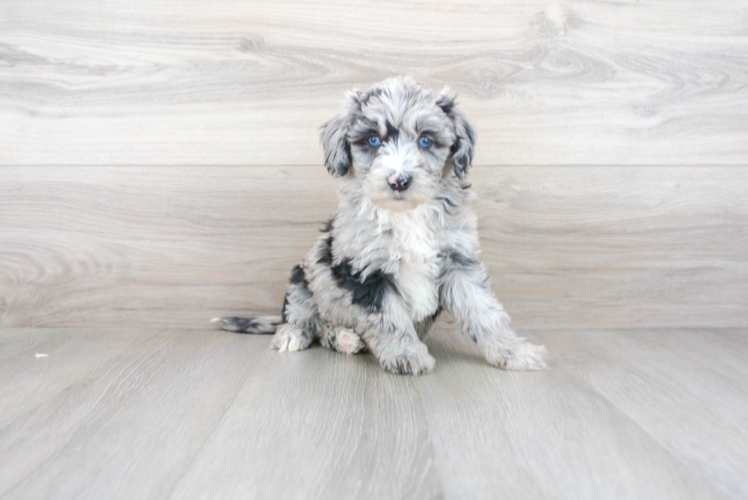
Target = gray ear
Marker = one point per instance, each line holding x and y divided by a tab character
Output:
334	139
464	145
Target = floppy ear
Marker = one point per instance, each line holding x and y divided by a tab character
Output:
334	139
462	149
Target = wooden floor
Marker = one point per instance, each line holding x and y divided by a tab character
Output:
155	413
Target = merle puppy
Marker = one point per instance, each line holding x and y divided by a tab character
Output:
403	246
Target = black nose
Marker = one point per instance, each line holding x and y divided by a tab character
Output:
401	183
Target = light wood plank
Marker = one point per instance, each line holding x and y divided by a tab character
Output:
545	81
124	413
341	428
685	388
114	414
565	247
549	434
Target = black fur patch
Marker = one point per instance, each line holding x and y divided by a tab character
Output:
368	293
456	259
363	141
343	166
328	226
325	251
435	316
392	132
461	161
283	311
367	97
241	325
298	276
447	104
455	145
340	169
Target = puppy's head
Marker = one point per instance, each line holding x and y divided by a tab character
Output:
399	139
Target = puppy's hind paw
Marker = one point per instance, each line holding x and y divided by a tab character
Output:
349	343
341	339
523	356
289	338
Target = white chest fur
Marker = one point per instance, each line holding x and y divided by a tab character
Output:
414	251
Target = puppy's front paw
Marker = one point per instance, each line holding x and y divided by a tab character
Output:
522	356
289	338
416	361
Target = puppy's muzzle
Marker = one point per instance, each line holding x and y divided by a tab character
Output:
399	182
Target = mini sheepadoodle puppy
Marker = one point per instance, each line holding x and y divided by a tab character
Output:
403	246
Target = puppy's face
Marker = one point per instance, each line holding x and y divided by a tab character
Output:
398	140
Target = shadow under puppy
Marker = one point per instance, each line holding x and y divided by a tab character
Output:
403	245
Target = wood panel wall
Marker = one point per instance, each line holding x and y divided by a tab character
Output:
159	162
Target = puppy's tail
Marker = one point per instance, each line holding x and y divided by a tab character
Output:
263	324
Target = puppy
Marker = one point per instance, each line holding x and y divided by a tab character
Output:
403	246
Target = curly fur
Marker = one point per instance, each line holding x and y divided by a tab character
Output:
393	258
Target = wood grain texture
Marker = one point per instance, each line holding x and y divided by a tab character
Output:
665	376
565	247
159	166
204	83
149	413
554	434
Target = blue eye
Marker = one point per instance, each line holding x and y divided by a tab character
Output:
425	142
374	141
